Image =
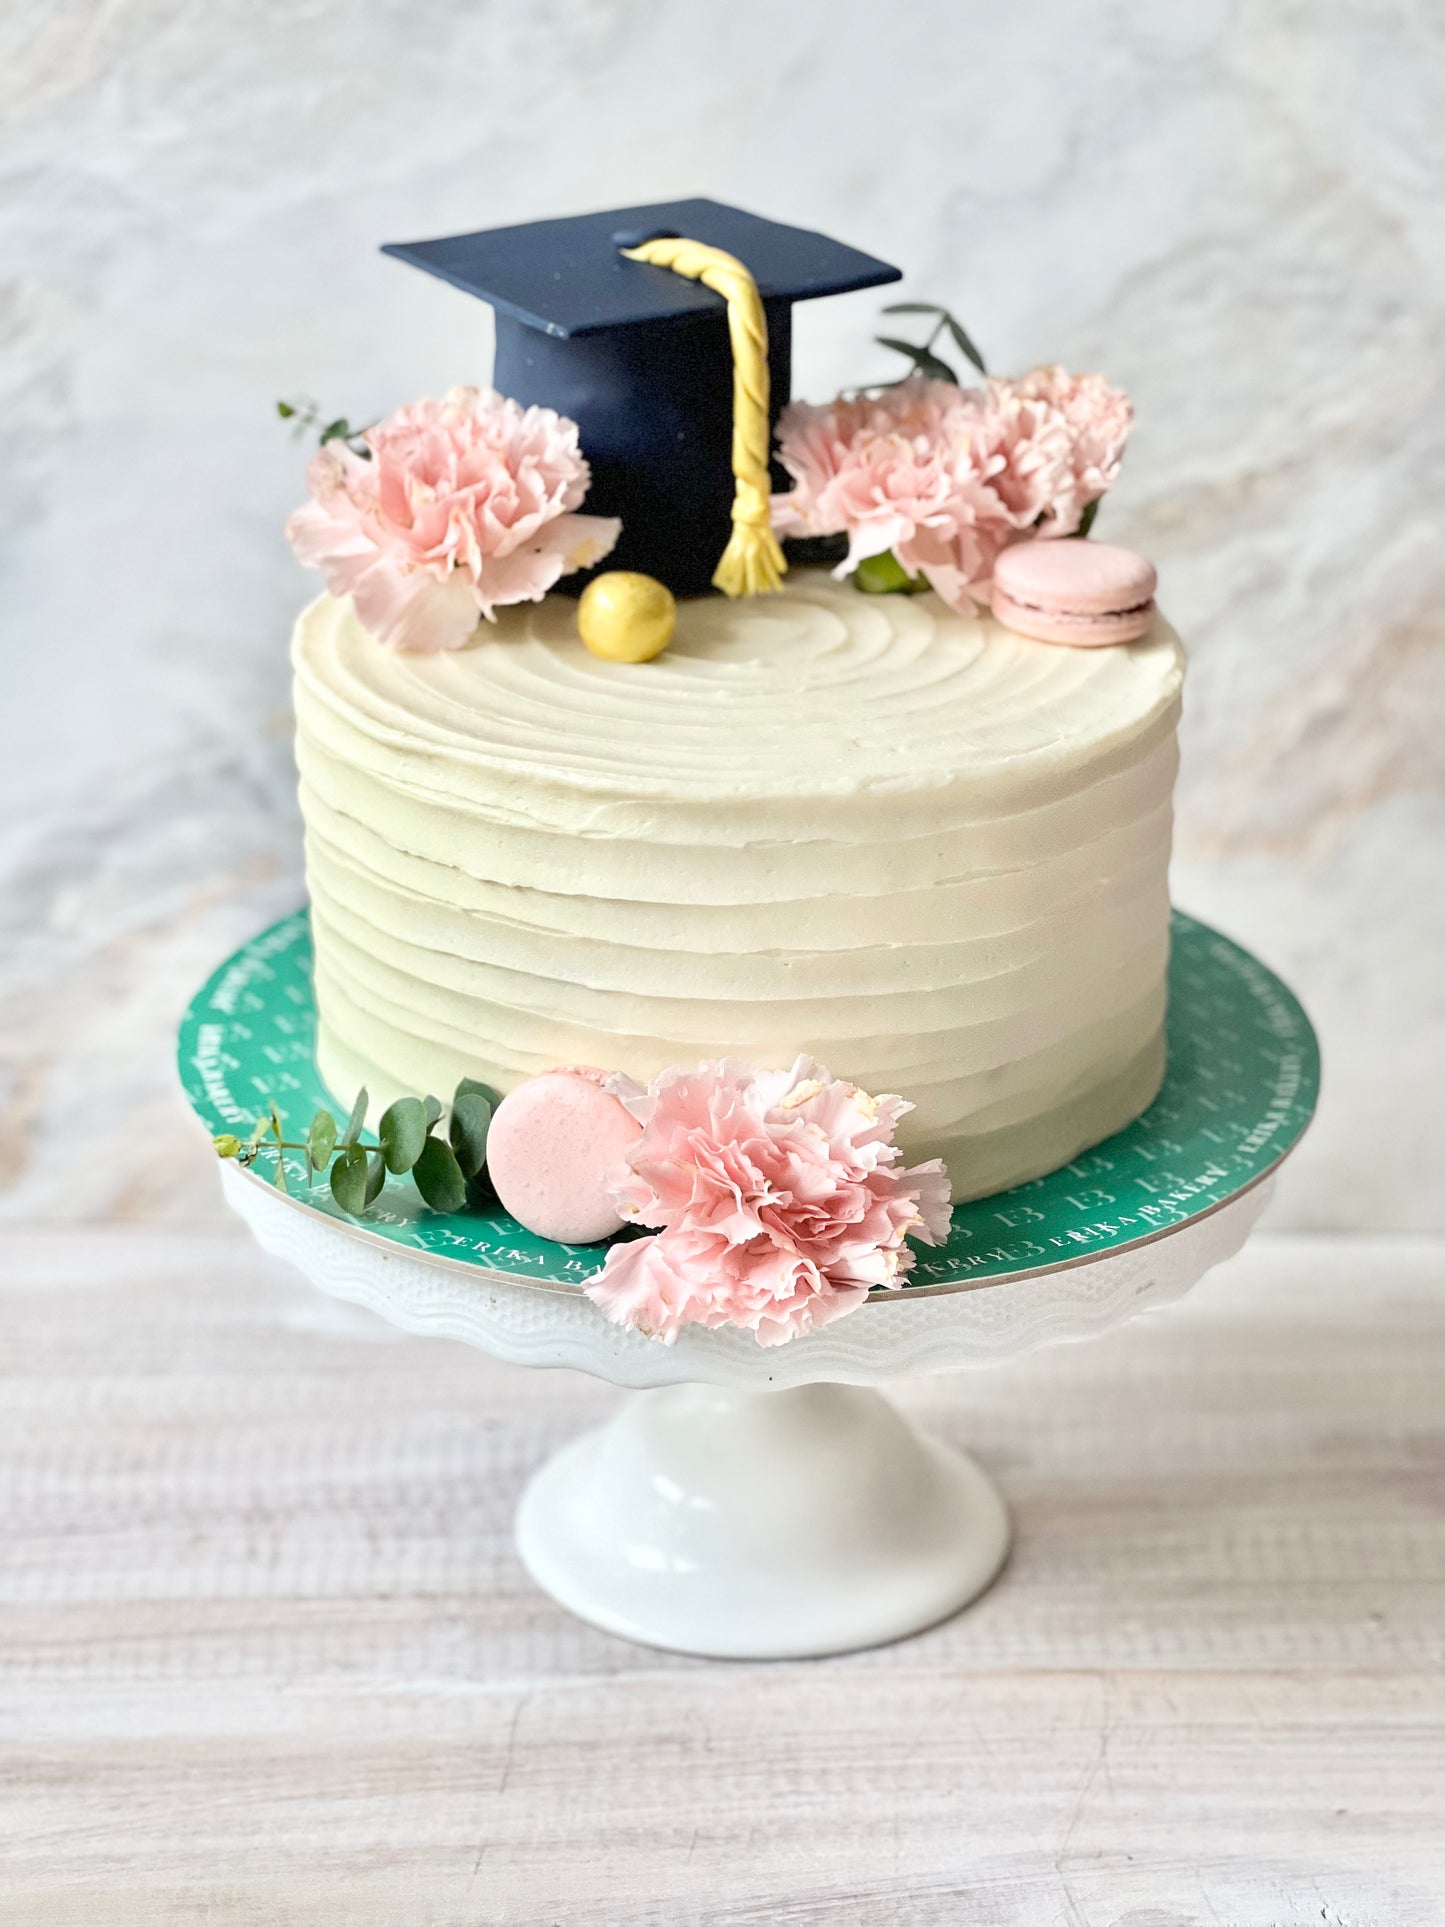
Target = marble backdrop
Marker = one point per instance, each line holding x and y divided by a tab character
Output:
1238	212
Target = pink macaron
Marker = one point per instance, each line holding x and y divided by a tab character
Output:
1078	592
551	1142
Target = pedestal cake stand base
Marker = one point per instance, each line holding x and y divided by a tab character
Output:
761	1525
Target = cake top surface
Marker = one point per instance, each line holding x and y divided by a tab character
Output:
816	692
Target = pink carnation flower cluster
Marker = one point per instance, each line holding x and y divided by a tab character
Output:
777	1196
947	477
465	504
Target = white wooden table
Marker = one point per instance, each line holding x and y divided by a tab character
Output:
268	1656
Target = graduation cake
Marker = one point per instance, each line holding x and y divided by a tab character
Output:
655	724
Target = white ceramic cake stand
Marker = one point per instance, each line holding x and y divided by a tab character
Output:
752	1503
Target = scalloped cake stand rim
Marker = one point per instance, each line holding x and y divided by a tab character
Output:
879	1298
925	1331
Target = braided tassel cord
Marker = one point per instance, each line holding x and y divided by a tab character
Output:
752	563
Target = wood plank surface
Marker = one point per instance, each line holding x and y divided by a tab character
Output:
268	1655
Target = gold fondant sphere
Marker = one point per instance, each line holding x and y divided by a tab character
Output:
626	617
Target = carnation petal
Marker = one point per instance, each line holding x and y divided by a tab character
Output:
583	539
441	615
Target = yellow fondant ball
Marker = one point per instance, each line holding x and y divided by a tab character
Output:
626	617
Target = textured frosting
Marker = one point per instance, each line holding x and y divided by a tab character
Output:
926	850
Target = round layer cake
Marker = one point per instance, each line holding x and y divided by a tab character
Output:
922	849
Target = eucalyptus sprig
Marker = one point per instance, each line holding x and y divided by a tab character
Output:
408	1140
309	417
922	354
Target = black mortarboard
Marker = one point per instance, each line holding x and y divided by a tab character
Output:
640	358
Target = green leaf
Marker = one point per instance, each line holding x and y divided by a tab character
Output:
285	410
432	1107
258	1131
336	431
1086	520
226	1145
963	341
349	1178
402	1132
474	1087
961	337
321	1139
481	1191
278	1176
439	1178
356	1120
923	359
885	575
375	1177
470	1121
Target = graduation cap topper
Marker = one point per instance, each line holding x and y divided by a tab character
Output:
665	333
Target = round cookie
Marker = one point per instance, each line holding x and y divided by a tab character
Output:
551	1142
1082	593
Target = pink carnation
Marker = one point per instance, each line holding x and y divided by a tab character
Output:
465	504
1098	418
946	477
908	470
777	1198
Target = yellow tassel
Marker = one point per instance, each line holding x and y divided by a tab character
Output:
752	563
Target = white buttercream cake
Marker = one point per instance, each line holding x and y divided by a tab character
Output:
922	848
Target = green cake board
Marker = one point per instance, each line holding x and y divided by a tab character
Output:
1241	1086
